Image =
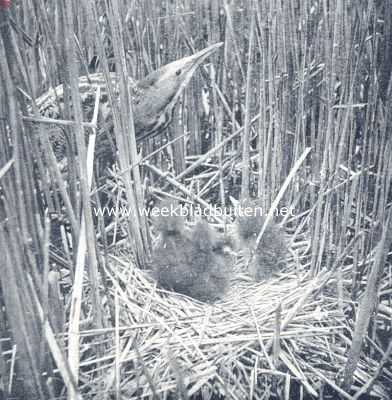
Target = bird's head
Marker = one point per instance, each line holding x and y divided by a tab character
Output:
160	90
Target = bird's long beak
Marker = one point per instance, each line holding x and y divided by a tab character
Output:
185	67
200	56
161	90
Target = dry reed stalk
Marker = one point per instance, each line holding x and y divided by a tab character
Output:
86	238
125	138
367	305
245	138
189	317
320	80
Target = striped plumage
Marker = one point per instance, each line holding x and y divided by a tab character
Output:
153	98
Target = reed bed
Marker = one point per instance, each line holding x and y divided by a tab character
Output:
294	110
228	349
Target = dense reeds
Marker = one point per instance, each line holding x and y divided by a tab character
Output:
295	109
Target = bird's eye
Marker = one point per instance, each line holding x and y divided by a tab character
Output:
178	72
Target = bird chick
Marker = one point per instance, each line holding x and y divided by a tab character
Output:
170	256
188	260
212	282
272	249
169	219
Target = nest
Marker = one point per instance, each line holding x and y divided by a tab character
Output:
281	337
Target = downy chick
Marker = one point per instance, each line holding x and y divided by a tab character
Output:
209	257
272	249
186	261
170	258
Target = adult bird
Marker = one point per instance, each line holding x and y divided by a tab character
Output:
153	98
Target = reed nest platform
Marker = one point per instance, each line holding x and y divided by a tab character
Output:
282	338
292	108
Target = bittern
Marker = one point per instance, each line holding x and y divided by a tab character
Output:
153	98
189	261
270	254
